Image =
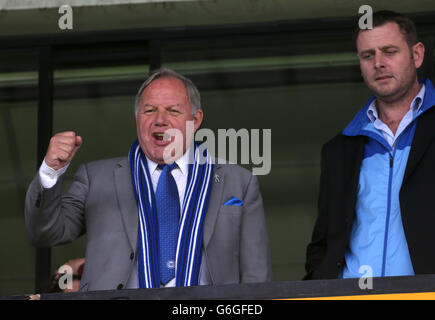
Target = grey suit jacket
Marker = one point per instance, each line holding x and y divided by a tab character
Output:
100	202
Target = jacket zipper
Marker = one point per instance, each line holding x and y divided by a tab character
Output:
387	222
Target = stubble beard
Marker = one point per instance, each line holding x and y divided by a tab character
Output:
400	89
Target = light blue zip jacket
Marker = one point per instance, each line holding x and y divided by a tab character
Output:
378	241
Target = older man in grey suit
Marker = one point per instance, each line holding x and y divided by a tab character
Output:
150	223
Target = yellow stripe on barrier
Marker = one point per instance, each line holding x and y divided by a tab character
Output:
394	296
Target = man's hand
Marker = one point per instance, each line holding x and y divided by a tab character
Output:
62	148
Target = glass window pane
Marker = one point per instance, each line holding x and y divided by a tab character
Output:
18	127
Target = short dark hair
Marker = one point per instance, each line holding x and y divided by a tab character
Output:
406	25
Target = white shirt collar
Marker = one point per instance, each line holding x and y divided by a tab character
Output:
182	163
417	102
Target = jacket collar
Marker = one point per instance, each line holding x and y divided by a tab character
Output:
361	120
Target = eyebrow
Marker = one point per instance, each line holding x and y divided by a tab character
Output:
388	46
169	106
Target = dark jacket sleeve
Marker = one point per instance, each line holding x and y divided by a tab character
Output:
317	247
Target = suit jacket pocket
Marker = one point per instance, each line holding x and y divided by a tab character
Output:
228	228
234	210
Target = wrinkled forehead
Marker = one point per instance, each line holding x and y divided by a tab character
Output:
167	83
164	90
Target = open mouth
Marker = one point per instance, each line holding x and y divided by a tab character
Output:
158	136
161	137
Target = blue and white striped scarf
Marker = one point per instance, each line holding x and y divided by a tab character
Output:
190	229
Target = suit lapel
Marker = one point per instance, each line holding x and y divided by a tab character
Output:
126	201
214	204
424	134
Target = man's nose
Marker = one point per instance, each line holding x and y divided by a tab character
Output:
161	118
379	61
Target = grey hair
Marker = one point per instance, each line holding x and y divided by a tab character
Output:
192	91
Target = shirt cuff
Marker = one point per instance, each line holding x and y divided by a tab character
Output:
48	176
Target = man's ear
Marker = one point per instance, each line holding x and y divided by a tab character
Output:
197	119
418	54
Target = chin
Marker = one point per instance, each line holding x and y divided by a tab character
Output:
383	92
156	157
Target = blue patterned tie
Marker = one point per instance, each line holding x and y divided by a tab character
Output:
168	212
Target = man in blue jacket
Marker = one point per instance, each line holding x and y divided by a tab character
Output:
377	188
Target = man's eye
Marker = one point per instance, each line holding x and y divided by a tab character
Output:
390	52
174	111
148	111
366	56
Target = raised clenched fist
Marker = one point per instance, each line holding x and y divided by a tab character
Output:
62	148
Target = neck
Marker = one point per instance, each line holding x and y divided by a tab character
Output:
391	112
